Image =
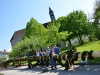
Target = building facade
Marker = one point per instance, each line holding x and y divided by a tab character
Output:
4	54
17	37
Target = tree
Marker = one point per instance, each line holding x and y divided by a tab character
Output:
2	59
77	21
23	47
36	30
19	49
54	36
65	27
91	31
96	17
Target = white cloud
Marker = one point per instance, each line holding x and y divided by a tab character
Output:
10	49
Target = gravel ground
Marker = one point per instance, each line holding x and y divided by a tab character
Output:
79	70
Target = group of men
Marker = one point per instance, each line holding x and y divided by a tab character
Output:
52	52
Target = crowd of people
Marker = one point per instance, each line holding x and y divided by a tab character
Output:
54	50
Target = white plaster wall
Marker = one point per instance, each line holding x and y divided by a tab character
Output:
4	55
13	42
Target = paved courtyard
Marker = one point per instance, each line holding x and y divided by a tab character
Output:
79	70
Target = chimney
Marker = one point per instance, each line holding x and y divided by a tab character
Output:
4	50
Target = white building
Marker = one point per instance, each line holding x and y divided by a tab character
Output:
4	54
17	37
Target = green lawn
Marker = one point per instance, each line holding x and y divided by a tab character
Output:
95	46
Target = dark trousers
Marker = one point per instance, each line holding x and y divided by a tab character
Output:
52	63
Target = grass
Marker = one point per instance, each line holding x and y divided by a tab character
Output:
24	62
95	46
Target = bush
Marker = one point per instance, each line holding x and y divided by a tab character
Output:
2	59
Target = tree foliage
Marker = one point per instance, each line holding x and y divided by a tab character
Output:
54	36
75	22
34	28
96	17
2	59
65	27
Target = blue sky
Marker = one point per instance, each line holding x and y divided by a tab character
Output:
14	14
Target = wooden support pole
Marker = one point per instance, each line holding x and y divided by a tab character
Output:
94	54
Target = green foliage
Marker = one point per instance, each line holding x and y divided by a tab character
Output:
34	28
2	59
36	32
91	31
78	22
3	62
75	23
35	38
54	36
96	16
96	59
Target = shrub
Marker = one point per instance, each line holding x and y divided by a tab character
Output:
2	59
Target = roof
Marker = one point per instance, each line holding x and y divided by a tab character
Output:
18	34
50	10
21	32
4	52
46	24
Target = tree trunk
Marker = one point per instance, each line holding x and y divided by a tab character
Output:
19	63
29	63
98	36
80	40
90	38
41	49
64	43
69	43
13	63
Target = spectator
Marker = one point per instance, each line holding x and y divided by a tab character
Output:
56	49
48	51
44	53
41	53
52	59
37	53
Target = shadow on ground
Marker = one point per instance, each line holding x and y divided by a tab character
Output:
79	70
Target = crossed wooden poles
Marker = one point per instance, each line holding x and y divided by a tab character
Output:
69	57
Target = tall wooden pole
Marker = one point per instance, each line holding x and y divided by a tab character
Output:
94	54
